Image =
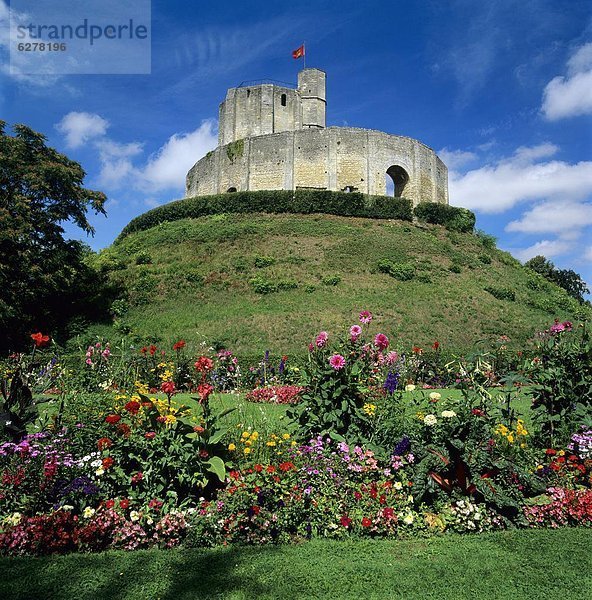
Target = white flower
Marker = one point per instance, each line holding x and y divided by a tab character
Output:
88	512
448	414
149	521
67	507
14	519
409	387
435	396
410	498
408	519
398	485
135	515
96	463
430	420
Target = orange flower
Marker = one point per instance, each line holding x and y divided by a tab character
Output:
40	339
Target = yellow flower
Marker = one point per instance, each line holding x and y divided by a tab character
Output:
245	434
170	419
255	436
561	453
286	436
247	451
231	447
271	444
369	409
293	443
510	438
248	442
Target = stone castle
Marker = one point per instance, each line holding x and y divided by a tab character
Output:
273	137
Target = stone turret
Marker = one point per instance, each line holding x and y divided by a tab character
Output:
311	85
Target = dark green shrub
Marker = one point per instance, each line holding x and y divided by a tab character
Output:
485	259
452	217
264	261
193	276
143	258
488	241
502	293
263	286
275	201
400	271
286	284
331	280
455	268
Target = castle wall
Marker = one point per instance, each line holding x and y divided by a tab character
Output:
337	158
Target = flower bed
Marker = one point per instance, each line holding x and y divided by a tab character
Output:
275	394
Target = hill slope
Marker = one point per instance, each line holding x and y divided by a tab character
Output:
258	281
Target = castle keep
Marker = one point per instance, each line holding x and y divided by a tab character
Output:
273	137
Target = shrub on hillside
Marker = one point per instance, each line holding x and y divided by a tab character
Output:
276	201
501	293
452	217
400	271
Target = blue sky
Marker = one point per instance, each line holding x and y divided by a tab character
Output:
501	90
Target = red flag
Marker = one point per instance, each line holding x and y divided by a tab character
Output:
298	52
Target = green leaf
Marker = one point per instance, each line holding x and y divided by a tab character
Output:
217	466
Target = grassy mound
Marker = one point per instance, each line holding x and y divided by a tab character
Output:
253	282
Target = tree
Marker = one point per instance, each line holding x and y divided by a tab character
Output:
42	275
567	279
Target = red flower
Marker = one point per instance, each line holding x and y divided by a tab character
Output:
357	495
152	349
255	510
133	407
150	435
417	350
388	513
40	339
110	504
155	504
287	466
258	468
143	350
345	521
124	503
477	412
204	390
168	387
137	478
104	442
198	429
203	454
270	469
382	499
112	419
108	462
366	522
234	475
161	419
179	345
550	452
435	345
124	429
50	468
204	364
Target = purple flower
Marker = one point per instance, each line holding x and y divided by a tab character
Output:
391	382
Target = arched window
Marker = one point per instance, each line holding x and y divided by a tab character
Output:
396	180
231	189
283	99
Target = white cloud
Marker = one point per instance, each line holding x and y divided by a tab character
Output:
497	187
454	159
81	127
566	218
588	254
571	95
546	248
116	162
167	168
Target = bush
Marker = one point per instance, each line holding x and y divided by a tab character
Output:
502	293
400	271
331	280
452	217
275	201
264	261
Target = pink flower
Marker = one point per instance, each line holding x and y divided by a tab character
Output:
321	340
391	357
337	362
381	341
365	317
355	331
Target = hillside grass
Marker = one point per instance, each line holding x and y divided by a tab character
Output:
197	279
512	565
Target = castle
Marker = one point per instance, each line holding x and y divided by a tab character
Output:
273	137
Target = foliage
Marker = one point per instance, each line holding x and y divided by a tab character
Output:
501	293
452	217
400	271
46	280
567	279
275	201
561	376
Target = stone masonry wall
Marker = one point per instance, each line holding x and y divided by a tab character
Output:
336	158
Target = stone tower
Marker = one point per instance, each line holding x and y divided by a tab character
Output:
273	136
311	85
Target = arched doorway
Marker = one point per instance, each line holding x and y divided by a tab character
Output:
396	180
230	190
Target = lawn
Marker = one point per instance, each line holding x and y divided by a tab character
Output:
529	564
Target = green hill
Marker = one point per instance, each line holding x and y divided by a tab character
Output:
252	282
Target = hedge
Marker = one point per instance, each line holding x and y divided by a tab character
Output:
452	217
276	201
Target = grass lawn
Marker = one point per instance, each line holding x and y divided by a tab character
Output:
544	565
